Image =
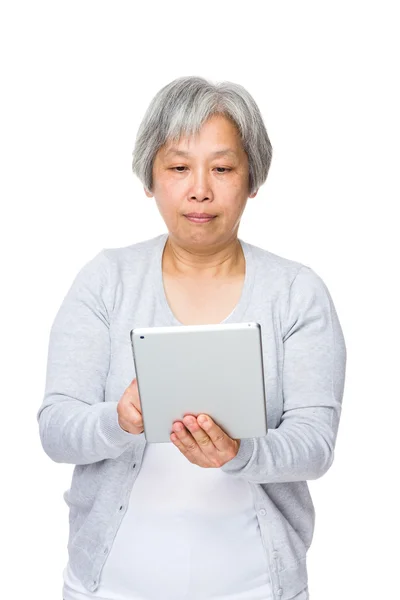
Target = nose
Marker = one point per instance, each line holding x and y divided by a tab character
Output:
200	188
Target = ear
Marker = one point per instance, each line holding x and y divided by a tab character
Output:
254	194
148	194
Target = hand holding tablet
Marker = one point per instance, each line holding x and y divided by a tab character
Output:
203	442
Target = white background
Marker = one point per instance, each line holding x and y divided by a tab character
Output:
76	80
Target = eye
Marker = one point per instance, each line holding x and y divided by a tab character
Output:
225	169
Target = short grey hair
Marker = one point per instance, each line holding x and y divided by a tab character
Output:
181	108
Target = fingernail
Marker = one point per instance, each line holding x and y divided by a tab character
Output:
202	420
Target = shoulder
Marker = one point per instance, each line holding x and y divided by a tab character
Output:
139	250
133	259
290	282
277	268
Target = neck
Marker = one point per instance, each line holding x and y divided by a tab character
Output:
219	261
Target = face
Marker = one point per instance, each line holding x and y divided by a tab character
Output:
207	173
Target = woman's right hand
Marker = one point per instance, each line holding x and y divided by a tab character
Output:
129	410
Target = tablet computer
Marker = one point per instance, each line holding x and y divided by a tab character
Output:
191	369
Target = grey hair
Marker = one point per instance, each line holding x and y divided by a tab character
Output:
181	108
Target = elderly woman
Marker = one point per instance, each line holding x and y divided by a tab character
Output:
206	516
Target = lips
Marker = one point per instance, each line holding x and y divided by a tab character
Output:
199	219
199	215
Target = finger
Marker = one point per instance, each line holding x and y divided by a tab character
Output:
128	412
198	433
199	460
133	415
220	440
186	443
130	419
209	455
132	393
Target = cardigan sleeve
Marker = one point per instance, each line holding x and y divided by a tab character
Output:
314	364
76	425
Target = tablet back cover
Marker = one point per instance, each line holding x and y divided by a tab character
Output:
192	369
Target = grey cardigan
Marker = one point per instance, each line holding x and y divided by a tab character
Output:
90	365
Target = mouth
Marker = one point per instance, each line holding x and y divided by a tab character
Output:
193	219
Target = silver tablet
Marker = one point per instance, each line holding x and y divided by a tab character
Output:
191	369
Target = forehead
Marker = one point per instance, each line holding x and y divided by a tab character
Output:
174	151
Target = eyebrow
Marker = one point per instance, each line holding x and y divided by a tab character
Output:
223	151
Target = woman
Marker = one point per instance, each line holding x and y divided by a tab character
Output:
205	516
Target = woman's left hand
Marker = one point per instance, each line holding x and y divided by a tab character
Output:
205	445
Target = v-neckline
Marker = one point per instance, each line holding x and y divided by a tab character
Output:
236	315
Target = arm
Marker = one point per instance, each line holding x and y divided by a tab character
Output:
302	447
76	425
